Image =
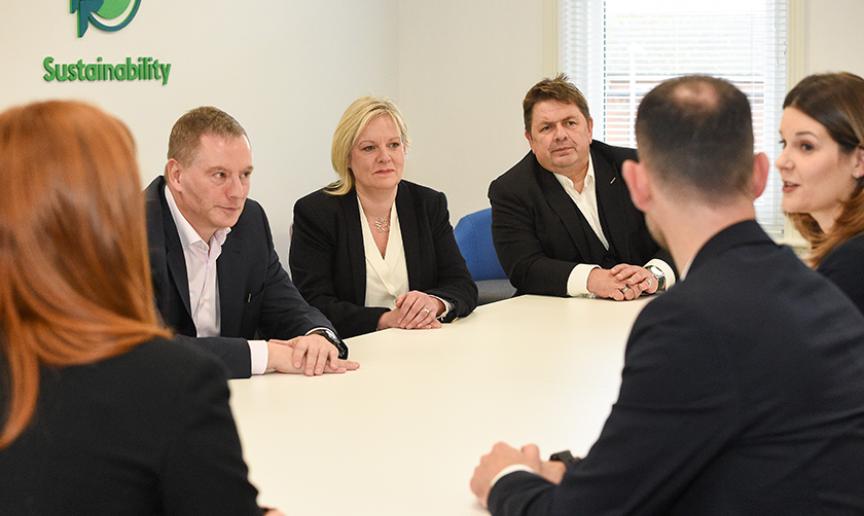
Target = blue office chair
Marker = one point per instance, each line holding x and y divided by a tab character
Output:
473	235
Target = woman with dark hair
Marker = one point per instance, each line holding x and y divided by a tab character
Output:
372	251
99	413
822	167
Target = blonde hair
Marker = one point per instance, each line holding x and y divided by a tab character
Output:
75	282
353	122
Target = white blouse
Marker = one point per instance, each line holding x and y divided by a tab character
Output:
386	276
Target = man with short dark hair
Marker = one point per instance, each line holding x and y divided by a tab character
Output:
216	275
743	387
562	222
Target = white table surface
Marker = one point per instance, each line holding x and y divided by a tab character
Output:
402	435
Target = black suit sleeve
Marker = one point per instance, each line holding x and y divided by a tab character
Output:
203	470
285	314
232	352
454	281
519	249
312	258
676	409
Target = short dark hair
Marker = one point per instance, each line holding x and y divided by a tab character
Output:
188	129
561	89
696	132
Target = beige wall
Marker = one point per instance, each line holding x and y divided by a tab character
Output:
832	38
463	70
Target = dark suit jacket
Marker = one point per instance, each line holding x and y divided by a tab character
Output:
256	296
328	260
540	234
742	393
843	266
147	432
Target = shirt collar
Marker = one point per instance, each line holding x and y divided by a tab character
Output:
188	235
589	178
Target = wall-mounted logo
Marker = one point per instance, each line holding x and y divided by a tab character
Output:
107	15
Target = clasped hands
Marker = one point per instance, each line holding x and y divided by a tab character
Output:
311	355
622	282
503	455
414	310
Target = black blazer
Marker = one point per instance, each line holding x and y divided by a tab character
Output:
256	296
328	260
742	393
540	234
843	266
146	432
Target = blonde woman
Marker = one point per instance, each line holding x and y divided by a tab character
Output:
371	250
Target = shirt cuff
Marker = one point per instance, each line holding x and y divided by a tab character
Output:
668	273
259	356
447	306
577	283
510	469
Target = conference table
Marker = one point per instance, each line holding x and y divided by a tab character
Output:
402	435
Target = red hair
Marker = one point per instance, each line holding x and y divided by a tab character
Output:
75	282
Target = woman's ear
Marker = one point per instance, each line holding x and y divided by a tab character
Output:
858	165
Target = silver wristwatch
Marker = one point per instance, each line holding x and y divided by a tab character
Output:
658	273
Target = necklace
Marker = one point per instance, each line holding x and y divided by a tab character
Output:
382	224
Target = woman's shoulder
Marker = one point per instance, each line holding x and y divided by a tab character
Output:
851	249
318	200
421	192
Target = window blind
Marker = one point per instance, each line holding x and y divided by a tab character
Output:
615	51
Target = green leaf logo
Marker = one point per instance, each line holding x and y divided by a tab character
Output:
98	13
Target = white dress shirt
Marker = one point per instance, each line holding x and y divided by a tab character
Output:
586	201
200	257
387	276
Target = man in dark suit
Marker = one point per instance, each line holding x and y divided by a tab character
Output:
743	387
562	221
216	274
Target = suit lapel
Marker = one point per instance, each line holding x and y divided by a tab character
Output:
410	230
350	215
174	252
232	296
563	206
610	205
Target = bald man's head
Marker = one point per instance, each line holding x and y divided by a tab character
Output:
696	134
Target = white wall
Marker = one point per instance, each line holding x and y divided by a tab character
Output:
458	70
285	69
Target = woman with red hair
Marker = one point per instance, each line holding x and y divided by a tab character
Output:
99	413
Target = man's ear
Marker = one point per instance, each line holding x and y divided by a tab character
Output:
173	170
528	137
761	169
638	184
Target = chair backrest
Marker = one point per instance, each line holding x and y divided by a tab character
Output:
474	237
